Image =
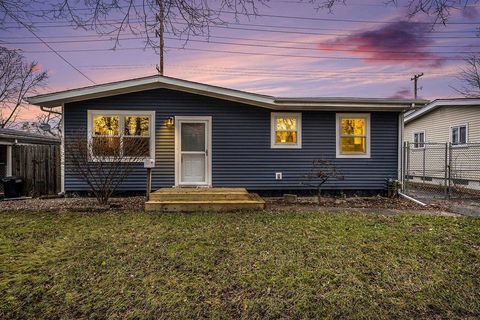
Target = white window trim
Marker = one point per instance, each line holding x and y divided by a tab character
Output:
273	116
339	116
450	138
424	139
121	114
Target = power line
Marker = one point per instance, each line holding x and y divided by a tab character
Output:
249	45
221	37
277	31
251	53
111	21
295	72
335	19
52	49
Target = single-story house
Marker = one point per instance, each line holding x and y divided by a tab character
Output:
445	135
35	158
204	135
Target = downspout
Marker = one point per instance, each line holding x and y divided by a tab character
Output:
400	149
412	199
62	151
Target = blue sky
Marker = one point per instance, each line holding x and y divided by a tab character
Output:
364	49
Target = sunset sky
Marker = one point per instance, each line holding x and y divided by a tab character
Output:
364	49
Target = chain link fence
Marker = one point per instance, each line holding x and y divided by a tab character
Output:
442	170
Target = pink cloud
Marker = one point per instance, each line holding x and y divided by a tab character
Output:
37	68
470	12
402	94
396	42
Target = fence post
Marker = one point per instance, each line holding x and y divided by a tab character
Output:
449	195
404	159
407	164
445	182
424	162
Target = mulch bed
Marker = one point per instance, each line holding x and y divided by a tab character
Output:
305	204
79	204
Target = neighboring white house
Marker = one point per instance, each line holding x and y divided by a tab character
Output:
430	128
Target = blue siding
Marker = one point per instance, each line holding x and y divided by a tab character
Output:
241	153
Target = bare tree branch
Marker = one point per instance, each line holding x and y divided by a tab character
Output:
17	79
182	18
439	10
470	78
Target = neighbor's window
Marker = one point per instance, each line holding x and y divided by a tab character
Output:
419	140
114	133
459	135
286	130
353	135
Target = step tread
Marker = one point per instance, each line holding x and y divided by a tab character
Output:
199	190
205	202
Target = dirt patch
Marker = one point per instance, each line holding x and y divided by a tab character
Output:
356	204
80	204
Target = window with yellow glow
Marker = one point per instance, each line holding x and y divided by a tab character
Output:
353	131
114	133
286	130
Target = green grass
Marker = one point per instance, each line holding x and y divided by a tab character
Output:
248	265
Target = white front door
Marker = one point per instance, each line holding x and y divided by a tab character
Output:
192	154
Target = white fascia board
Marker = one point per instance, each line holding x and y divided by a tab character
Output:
441	103
135	85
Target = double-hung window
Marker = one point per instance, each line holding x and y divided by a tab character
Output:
286	130
125	134
419	140
459	135
353	135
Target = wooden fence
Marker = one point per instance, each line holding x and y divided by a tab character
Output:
39	167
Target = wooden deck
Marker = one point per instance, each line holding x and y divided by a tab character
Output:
203	199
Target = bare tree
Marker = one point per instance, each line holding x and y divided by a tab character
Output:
103	163
439	10
470	78
181	18
322	170
17	79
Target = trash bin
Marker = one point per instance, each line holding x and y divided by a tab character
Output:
12	187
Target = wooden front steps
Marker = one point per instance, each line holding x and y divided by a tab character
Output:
203	199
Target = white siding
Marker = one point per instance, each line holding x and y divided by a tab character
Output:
437	123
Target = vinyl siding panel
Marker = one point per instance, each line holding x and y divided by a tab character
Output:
241	153
437	123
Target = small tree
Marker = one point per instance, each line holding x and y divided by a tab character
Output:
18	78
104	163
322	170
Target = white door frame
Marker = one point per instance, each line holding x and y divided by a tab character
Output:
208	163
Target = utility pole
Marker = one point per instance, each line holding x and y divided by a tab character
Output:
415	84
160	33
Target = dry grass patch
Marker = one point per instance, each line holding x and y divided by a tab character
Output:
243	265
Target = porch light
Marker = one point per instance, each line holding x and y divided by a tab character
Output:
169	122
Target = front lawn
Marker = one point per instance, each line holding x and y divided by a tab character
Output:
250	265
